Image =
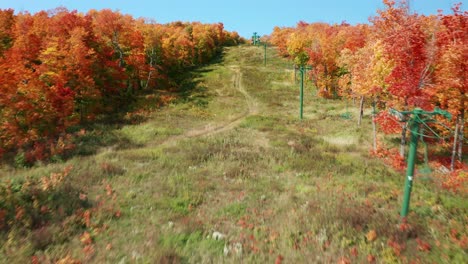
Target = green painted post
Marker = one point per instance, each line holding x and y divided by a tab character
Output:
254	38
411	161
418	117
264	56
301	69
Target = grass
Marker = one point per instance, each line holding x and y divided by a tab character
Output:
274	186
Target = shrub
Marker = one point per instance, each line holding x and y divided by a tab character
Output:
35	202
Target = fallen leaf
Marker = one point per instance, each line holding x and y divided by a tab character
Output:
86	239
279	259
344	260
371	235
423	246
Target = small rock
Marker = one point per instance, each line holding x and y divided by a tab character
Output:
436	208
170	224
263	197
218	236
135	255
226	250
322	237
238	248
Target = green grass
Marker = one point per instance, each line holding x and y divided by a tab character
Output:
272	184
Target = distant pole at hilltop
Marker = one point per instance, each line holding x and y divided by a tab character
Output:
255	39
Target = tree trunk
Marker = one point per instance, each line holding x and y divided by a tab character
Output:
403	131
374	126
325	73
81	112
461	135
151	69
361	111
115	42
454	150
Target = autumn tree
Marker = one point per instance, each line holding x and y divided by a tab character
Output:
152	35
6	26
368	68
124	56
297	44
402	60
450	83
403	37
33	109
279	38
61	68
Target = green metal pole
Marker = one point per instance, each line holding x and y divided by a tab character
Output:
264	57
302	92
410	167
254	39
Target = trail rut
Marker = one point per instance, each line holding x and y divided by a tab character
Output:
211	129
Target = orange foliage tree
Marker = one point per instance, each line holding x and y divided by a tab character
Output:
401	60
60	68
319	45
450	83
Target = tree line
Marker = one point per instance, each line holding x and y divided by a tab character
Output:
400	60
61	68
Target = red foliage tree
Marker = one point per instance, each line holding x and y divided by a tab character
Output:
59	68
404	39
451	82
7	21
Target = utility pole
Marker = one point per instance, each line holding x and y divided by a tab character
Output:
418	117
410	167
265	54
255	39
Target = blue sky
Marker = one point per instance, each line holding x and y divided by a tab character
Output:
243	16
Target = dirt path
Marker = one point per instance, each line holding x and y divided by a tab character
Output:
207	130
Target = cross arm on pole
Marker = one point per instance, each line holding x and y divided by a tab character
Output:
420	113
417	117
